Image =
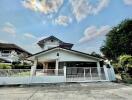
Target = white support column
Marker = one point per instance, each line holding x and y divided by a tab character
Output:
99	69
33	68
90	73
56	66
64	72
84	74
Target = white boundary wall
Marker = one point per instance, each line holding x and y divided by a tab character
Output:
13	80
31	80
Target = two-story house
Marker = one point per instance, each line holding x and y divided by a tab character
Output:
57	55
12	52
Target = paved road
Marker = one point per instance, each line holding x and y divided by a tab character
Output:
72	91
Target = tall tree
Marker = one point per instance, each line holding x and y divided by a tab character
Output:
96	55
118	40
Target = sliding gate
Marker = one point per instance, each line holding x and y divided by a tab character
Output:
85	74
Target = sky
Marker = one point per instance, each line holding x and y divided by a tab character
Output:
84	23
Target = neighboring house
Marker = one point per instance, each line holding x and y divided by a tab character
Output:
56	55
11	52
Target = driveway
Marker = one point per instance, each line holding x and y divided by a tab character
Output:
69	91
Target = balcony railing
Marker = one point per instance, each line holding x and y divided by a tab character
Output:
5	54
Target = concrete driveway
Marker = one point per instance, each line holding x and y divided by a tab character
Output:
69	91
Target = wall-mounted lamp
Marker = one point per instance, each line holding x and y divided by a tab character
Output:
58	54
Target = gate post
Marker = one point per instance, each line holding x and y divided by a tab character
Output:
99	69
106	72
113	78
33	68
64	72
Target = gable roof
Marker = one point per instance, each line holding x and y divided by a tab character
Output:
82	53
48	38
12	46
64	44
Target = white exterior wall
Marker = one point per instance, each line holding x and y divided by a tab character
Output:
47	56
48	44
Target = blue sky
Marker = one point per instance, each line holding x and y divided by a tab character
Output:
81	22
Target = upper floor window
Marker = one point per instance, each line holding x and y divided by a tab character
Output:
52	40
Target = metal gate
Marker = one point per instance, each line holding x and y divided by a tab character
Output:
85	74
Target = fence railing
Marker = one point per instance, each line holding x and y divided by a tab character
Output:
72	74
85	73
14	72
49	72
5	54
27	72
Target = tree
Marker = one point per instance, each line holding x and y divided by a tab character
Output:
96	55
125	61
118	40
22	57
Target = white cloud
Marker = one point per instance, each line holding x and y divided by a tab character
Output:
63	20
128	2
40	38
101	5
82	8
44	6
33	48
9	28
29	35
93	31
3	41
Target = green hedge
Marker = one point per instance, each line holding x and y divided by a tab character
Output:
16	66
5	66
20	66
